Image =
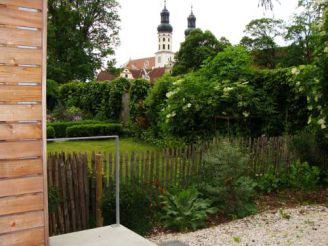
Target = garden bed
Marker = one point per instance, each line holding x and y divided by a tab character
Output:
284	218
302	225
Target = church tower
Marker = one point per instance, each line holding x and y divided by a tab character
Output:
164	55
191	23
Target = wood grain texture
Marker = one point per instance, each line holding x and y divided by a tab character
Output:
12	223
17	150
20	93
20	204
15	37
23	3
16	131
32	237
19	186
15	17
20	112
14	74
20	168
19	56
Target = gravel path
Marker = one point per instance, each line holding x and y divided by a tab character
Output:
304	225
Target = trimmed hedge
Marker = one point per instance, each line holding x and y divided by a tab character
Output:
50	132
90	130
60	127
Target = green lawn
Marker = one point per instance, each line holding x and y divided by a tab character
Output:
126	145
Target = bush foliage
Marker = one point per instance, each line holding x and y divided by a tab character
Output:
185	210
224	180
89	130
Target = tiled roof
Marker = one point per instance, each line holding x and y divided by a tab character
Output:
156	73
105	76
148	63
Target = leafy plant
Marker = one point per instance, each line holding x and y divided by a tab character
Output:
224	180
283	214
54	199
185	210
136	206
302	176
50	132
268	182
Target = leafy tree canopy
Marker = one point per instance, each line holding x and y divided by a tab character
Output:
197	47
80	35
260	37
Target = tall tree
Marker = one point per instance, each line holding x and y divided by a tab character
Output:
81	34
260	38
197	47
303	31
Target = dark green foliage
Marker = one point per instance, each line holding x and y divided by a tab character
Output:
60	127
51	132
185	210
136	206
52	94
197	47
54	199
285	104
224	180
261	34
269	182
90	130
80	35
233	63
301	176
138	93
101	100
156	102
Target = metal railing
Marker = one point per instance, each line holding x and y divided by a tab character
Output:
117	174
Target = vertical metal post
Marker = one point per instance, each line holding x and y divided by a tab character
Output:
117	179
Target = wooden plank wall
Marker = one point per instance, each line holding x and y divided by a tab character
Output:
23	193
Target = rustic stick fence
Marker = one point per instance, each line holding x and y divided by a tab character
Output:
81	178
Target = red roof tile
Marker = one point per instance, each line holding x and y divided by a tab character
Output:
105	76
148	63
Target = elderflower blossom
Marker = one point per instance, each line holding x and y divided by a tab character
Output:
322	123
326	49
295	71
227	89
245	114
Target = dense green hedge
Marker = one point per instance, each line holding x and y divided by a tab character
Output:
100	100
60	127
50	132
89	130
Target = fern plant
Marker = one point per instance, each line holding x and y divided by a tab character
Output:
185	210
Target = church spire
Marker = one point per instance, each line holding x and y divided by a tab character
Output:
165	21
191	22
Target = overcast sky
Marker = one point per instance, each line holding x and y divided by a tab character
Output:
140	18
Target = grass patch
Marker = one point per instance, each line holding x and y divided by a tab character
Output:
127	145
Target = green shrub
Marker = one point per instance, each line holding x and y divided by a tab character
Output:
185	210
89	130
136	207
301	176
269	182
224	180
54	199
61	126
50	132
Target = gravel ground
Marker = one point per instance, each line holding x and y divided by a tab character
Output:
304	225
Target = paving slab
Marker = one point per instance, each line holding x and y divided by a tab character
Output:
114	235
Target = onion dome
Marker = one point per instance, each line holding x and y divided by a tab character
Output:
191	23
165	25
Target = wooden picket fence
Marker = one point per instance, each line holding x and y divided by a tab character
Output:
77	178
